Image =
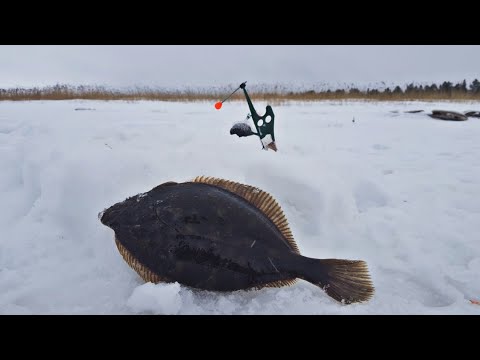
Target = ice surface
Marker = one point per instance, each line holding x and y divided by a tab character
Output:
400	191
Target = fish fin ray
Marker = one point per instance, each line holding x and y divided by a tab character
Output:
262	200
279	283
145	273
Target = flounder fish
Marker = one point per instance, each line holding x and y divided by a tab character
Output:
219	235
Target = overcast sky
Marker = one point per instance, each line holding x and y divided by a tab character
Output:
206	65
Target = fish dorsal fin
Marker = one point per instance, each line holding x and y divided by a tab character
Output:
258	198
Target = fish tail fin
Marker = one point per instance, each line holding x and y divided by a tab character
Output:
347	281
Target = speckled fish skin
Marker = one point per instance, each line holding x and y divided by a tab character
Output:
201	236
217	235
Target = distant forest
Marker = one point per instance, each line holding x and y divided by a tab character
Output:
444	91
447	88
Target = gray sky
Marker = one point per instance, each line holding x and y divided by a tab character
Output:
206	65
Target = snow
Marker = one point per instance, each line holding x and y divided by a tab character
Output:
397	190
164	299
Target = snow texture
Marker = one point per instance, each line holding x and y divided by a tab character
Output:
400	191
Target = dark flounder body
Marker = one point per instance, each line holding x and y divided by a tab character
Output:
219	235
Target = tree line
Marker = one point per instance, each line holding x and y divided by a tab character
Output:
412	91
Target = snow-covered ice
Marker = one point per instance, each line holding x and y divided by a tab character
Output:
400	191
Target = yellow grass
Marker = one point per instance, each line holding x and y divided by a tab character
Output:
65	92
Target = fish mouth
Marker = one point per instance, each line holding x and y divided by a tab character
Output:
100	216
107	217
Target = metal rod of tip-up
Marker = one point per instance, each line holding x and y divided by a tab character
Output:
219	104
